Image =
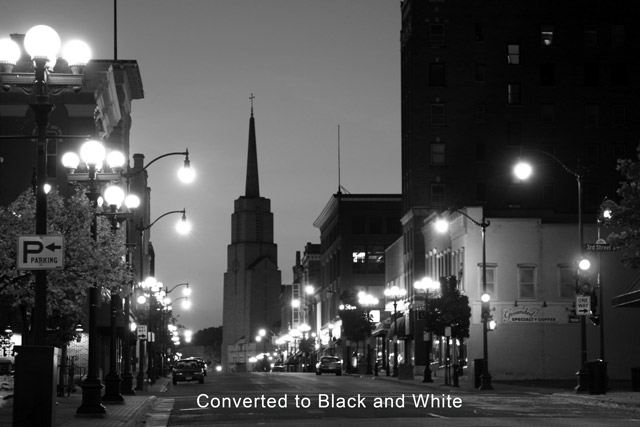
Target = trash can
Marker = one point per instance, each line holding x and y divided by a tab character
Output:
478	370
597	376
635	378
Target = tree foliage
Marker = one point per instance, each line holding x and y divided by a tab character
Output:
451	308
355	324
625	215
88	262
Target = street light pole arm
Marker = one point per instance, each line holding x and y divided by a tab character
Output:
176	153
484	224
141	228
178	285
577	175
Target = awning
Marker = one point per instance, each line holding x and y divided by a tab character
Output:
629	299
381	329
397	328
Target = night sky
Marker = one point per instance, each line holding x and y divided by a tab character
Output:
313	66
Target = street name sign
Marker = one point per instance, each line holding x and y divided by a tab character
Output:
599	247
583	305
40	252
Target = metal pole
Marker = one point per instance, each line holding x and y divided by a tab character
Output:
427	365
486	376
140	377
92	386
395	340
41	108
582	373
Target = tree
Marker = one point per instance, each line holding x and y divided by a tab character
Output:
88	262
625	215
451	308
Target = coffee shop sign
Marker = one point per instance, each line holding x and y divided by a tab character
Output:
525	315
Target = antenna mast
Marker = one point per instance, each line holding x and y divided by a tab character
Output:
339	184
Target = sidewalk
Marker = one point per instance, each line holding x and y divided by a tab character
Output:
131	413
618	393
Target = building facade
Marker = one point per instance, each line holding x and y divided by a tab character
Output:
252	280
485	86
355	231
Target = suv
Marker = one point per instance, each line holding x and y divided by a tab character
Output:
329	364
187	370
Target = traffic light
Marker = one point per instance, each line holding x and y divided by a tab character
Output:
485	307
594	317
584	277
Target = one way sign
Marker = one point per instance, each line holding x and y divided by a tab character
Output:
40	252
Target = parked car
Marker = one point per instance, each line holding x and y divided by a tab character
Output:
187	370
277	367
331	364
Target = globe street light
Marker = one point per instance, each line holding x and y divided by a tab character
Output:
395	293
523	170
42	43
425	285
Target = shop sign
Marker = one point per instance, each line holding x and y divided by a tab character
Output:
526	314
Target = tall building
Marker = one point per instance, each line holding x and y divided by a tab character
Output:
355	231
484	85
252	280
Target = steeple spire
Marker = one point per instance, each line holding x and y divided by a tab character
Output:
252	188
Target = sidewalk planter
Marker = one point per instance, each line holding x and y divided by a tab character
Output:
405	372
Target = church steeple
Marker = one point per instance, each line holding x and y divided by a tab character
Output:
252	188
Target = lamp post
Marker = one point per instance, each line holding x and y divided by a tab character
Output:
395	293
183	227
442	226
425	285
42	44
93	154
368	301
523	171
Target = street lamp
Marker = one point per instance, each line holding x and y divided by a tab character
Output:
183	227
442	226
395	293
93	155
425	285
368	301
42	43
522	170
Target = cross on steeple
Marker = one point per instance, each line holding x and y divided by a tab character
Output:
252	98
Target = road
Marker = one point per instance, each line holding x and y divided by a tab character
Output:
304	399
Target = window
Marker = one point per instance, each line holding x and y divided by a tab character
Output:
513	54
436	74
437	115
547	75
591	115
479	34
438	195
590	36
514	96
617	36
357	225
547	114
491	280
376	224
566	281
527	281
546	35
368	259
437	153
436	34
